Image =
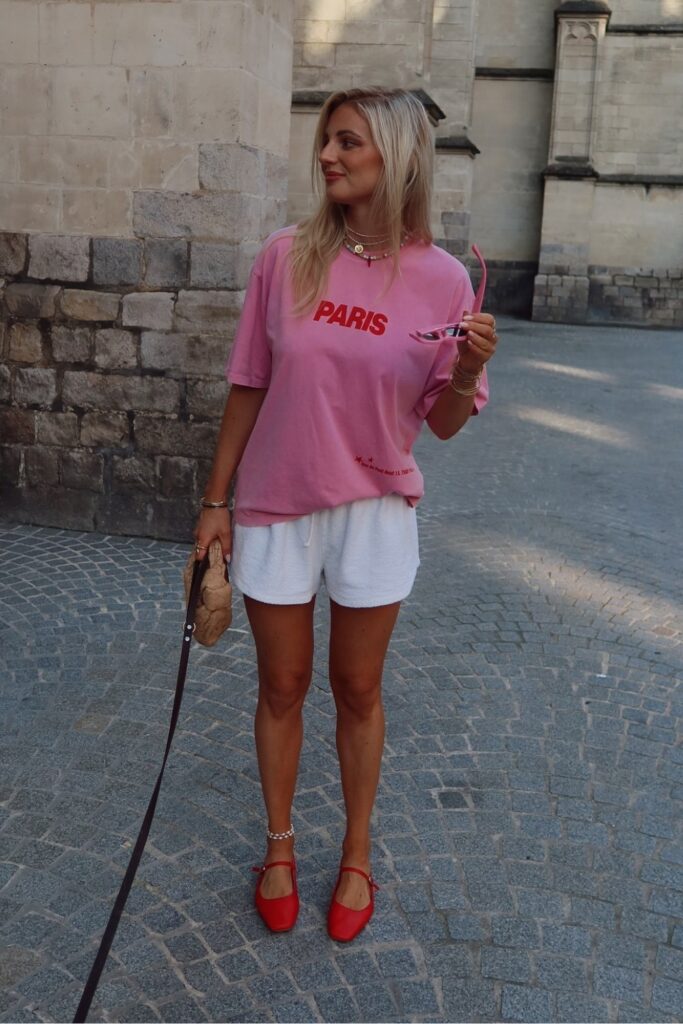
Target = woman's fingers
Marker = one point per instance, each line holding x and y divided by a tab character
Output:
213	524
481	334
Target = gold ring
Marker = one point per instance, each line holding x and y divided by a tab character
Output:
200	547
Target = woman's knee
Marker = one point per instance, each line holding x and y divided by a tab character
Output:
357	695
284	692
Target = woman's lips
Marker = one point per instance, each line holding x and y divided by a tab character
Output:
332	177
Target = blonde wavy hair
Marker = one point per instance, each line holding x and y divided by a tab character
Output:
400	129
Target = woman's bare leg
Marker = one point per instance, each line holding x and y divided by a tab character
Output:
359	638
284	647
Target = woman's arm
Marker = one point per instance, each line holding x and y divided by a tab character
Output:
451	410
240	415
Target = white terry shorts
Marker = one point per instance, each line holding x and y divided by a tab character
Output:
367	550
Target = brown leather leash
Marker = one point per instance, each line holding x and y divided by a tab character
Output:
120	902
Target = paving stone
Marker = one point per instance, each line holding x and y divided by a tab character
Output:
510	931
469	999
337	1005
397	963
417	998
619	983
572	1007
670	963
667	995
521	1003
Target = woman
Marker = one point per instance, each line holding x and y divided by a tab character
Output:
329	392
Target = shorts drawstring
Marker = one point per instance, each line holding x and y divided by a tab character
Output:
307	542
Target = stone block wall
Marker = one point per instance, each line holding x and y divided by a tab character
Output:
340	44
612	233
143	159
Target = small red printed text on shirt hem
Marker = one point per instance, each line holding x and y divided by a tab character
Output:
369	463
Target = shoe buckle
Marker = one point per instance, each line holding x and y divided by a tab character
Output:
259	870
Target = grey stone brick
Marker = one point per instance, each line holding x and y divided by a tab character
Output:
13	248
117	261
217	266
211	311
31	301
148	309
166	262
206	398
59	257
25	343
82	470
166	436
35	386
232	166
222	217
80	304
184	354
42	466
116	349
71	344
57	428
105	429
521	1003
115	391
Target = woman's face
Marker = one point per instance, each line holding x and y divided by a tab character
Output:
350	160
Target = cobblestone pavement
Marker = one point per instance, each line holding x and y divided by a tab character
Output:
528	833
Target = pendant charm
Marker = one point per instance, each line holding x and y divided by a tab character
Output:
358	248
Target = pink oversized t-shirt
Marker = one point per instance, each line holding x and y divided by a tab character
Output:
348	388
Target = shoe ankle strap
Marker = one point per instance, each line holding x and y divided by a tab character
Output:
275	864
368	878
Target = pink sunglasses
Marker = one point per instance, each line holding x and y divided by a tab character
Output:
455	330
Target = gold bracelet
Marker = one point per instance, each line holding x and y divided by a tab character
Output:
463	383
204	503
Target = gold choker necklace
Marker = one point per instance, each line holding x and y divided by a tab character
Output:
358	249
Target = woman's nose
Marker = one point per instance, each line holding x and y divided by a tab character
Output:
327	154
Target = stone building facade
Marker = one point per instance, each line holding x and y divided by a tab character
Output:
143	154
147	148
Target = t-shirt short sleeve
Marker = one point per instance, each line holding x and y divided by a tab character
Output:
463	299
249	362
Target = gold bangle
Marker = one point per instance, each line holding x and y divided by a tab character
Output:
464	383
204	503
469	391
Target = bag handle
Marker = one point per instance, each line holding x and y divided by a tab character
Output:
120	902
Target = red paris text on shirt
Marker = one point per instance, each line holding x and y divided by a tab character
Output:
356	316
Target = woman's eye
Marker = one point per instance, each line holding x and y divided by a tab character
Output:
347	144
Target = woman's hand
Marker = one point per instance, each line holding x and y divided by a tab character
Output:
481	341
213	524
